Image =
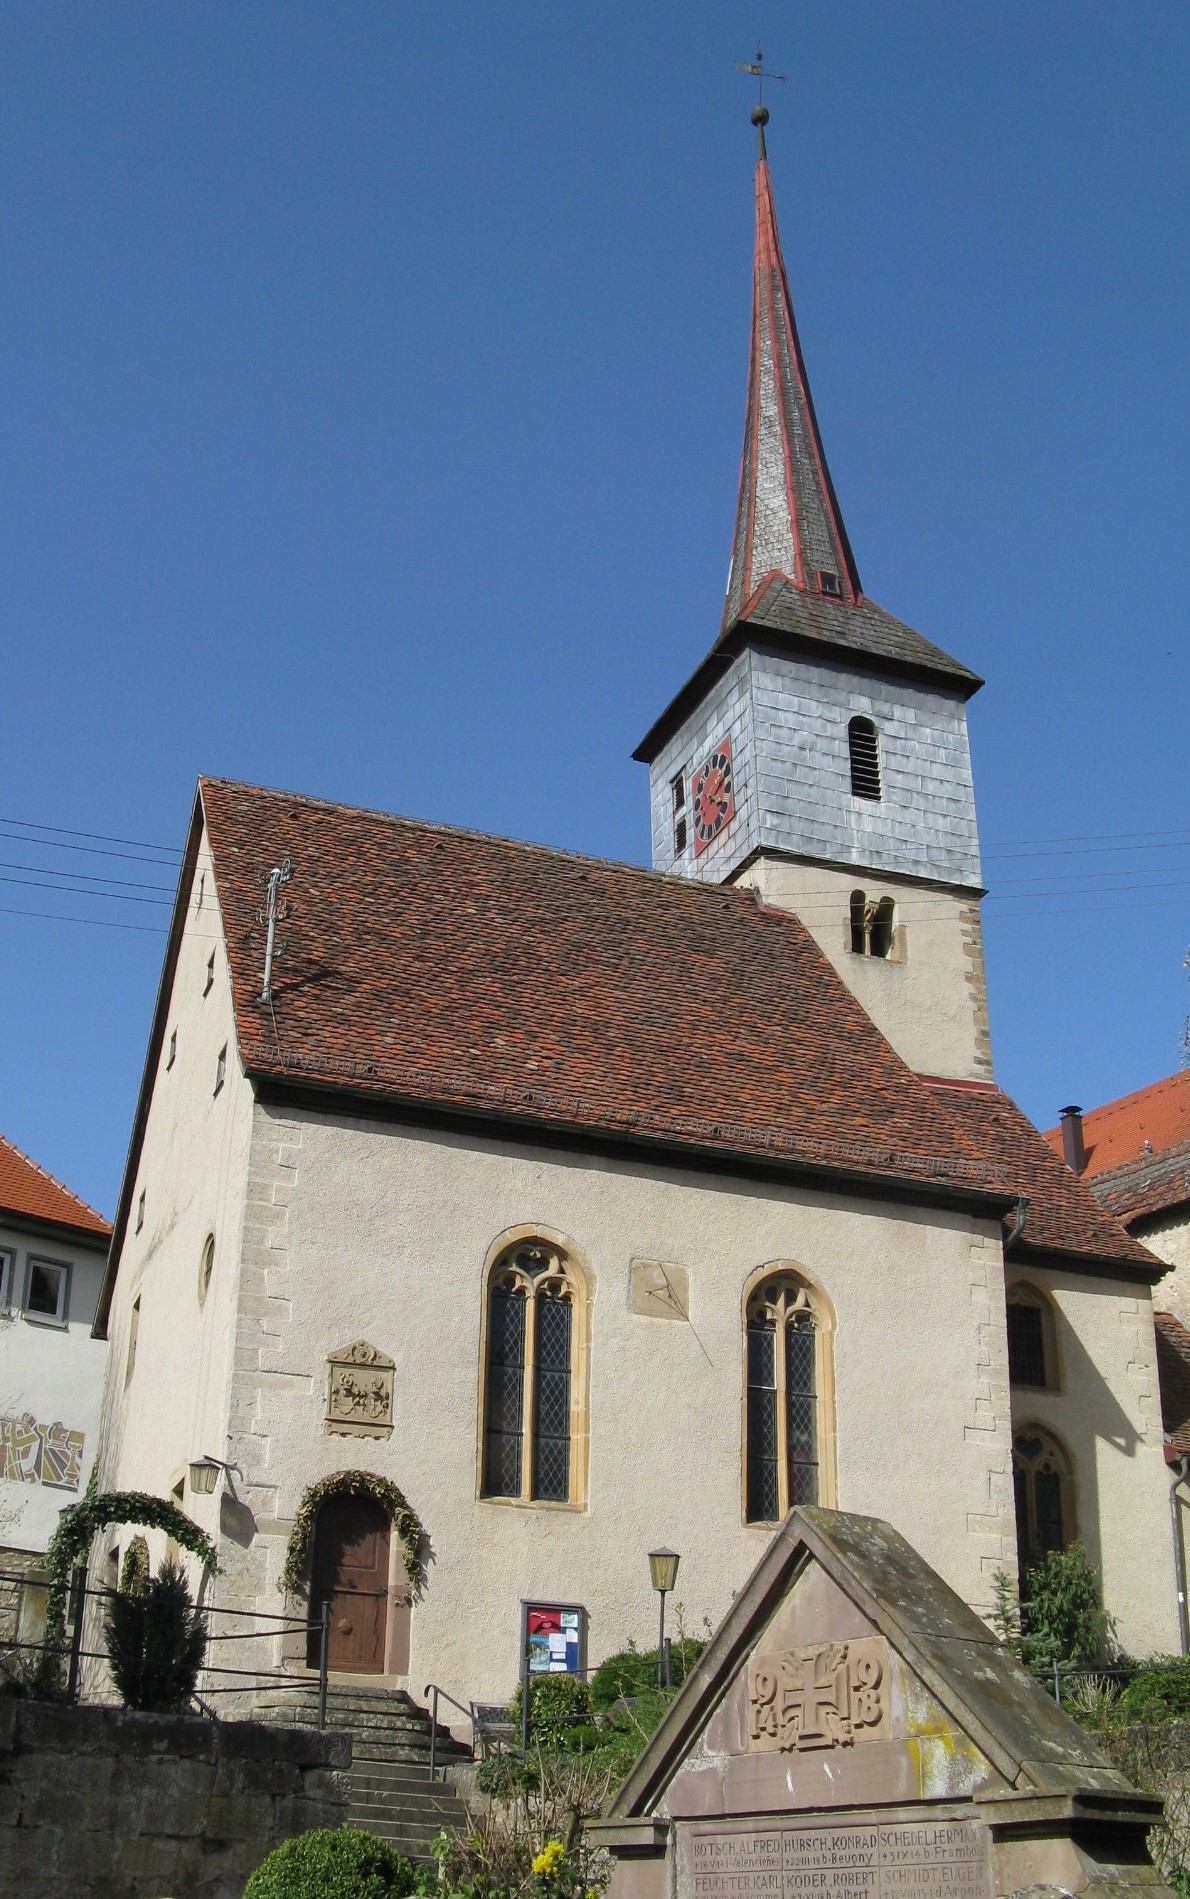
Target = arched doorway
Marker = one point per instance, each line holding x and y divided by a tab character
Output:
350	1570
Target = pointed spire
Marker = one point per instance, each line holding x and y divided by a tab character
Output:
787	519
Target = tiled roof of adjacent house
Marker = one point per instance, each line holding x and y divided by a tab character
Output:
1148	1122
1173	1376
1063	1215
471	973
1146	1188
28	1192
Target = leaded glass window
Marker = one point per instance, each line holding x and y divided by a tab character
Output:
1032	1355
530	1376
1044	1491
782	1425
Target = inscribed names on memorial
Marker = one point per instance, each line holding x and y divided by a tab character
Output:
913	1859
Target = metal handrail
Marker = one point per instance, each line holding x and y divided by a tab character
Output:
72	1651
432	1689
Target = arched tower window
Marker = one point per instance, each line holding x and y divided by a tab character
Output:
786	1373
534	1321
872	925
1032	1347
1043	1483
864	750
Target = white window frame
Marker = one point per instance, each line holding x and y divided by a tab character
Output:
8	1267
59	1315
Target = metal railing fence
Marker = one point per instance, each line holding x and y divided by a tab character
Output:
71	1654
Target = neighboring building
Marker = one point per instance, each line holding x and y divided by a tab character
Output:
53	1247
596	1207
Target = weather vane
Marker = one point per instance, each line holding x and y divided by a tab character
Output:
759	71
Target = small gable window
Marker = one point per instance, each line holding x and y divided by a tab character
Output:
1032	1353
785	1374
864	750
535	1323
873	925
828	584
1043	1487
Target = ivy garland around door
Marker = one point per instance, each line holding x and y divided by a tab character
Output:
78	1524
354	1483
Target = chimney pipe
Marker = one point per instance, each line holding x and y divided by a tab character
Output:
1072	1139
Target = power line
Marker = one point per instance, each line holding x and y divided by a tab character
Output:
82	876
98	923
67	890
100	837
90	850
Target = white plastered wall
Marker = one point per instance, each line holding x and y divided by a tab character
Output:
1170	1240
192	1170
930	998
1106	1410
52	1373
381	1232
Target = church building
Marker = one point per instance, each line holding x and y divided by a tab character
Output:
495	1215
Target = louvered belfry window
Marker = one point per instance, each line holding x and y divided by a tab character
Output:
864	749
782	1450
530	1374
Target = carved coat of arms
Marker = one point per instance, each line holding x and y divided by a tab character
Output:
830	1694
359	1391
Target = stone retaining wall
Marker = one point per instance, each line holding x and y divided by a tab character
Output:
100	1803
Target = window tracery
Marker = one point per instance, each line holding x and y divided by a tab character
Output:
1043	1486
535	1311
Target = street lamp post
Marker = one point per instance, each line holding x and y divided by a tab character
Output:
663	1570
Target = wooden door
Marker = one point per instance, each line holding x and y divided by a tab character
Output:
350	1570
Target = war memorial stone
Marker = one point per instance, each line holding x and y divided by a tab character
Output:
854	1731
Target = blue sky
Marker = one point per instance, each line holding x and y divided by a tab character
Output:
373	381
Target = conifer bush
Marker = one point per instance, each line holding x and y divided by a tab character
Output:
155	1640
333	1863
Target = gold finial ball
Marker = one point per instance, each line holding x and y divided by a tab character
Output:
760	115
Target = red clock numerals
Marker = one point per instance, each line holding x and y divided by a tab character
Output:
713	796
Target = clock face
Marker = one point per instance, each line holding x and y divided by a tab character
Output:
713	796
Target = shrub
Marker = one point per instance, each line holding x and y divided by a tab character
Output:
1061	1611
332	1864
134	1570
1159	1691
156	1640
560	1711
633	1671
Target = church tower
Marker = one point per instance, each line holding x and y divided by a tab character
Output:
820	752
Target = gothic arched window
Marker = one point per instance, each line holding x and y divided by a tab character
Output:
534	1321
1043	1483
1032	1349
864	751
785	1373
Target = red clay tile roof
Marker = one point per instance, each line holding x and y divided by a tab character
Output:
1064	1216
1116	1133
459	971
1155	1184
27	1191
448	968
1173	1376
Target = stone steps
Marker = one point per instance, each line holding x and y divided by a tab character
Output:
391	1791
402	1804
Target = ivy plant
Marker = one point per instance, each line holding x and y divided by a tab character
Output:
68	1546
354	1483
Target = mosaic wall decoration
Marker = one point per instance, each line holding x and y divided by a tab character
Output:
33	1453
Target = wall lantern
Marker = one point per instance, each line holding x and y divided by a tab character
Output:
204	1474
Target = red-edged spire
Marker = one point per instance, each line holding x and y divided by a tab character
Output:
788	520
